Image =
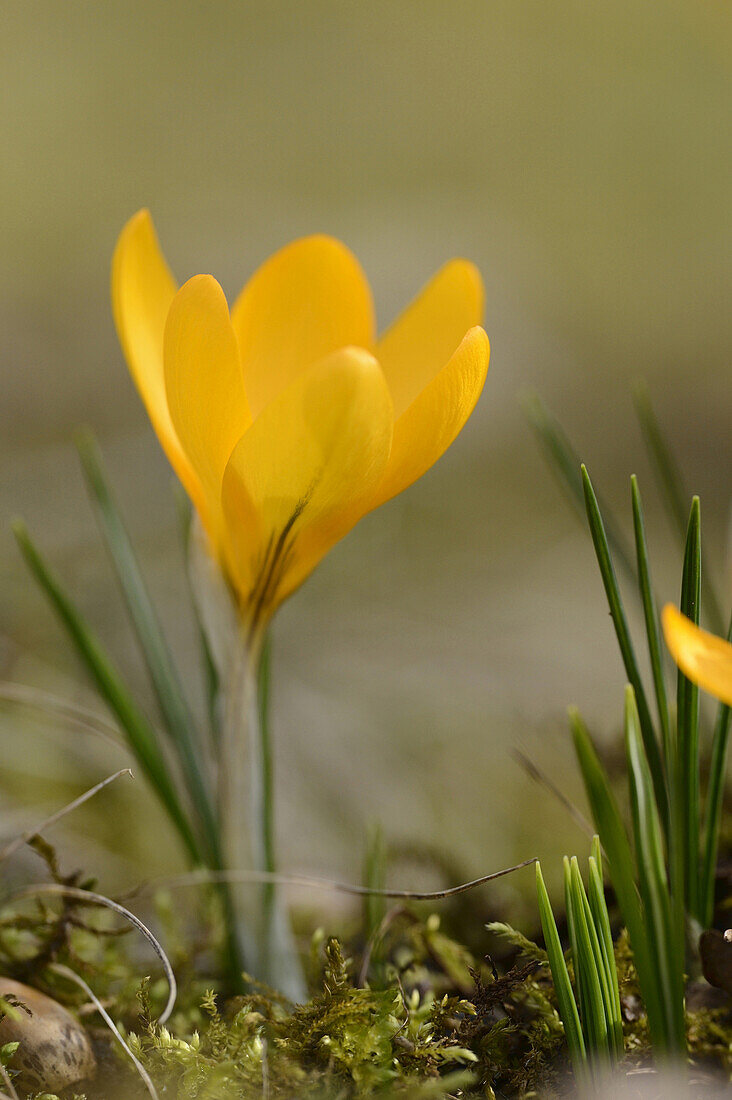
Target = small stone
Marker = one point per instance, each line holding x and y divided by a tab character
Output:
715	950
54	1050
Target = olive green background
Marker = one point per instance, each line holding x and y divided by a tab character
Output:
580	155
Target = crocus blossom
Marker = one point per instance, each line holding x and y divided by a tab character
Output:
286	419
704	658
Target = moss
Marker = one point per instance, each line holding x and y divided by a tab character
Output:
347	1041
412	1014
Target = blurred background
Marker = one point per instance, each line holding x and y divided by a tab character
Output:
580	154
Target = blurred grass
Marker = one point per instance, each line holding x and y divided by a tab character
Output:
579	154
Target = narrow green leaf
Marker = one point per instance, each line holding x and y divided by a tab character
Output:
687	709
212	684
672	486
713	815
592	1029
174	709
617	613
582	993
650	613
374	878
590	964
564	462
609	825
560	977
142	738
601	920
596	854
666	951
664	463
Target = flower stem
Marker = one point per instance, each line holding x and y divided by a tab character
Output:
264	765
246	809
233	786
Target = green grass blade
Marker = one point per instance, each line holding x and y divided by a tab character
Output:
617	613
687	709
212	683
374	878
582	993
664	463
650	613
591	964
564	462
672	486
666	950
609	825
174	709
582	972
713	816
562	985
141	736
601	920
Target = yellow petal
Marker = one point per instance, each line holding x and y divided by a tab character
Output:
303	474
142	292
423	338
427	428
704	658
204	386
304	302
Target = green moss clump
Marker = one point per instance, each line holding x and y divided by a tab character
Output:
347	1041
411	1014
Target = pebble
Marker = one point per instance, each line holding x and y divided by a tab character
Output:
54	1050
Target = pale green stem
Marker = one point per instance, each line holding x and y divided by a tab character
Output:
246	809
264	764
234	800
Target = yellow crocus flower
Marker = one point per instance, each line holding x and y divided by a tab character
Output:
286	419
704	658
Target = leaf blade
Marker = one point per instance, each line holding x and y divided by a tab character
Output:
671	482
650	613
560	976
665	939
622	633
713	814
601	919
174	708
623	873
589	962
565	463
686	787
140	734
